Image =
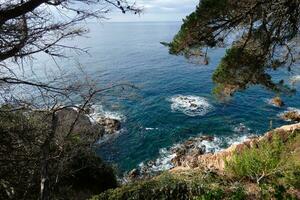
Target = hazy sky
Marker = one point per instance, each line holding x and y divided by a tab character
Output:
159	10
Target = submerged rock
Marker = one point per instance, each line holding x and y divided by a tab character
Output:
277	102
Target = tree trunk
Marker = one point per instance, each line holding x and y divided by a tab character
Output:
45	181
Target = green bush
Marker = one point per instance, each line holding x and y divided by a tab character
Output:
258	163
273	160
196	185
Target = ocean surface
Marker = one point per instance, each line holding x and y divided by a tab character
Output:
174	99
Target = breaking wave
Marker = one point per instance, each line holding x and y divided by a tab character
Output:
97	111
295	79
190	105
219	143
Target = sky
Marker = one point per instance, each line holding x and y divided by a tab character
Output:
158	10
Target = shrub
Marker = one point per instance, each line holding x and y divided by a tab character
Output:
190	184
273	159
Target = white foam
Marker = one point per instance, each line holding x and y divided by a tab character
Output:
150	129
241	129
190	105
212	146
295	79
162	163
99	112
219	143
236	140
270	102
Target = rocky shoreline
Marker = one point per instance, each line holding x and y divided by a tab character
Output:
216	161
192	154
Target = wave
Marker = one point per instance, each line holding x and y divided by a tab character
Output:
150	129
190	105
295	79
97	111
164	161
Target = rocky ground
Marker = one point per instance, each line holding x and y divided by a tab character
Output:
216	161
102	126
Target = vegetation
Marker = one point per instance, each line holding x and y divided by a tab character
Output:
271	161
189	185
262	40
75	171
42	156
271	170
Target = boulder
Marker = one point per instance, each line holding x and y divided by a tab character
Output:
189	150
277	102
83	125
291	116
110	125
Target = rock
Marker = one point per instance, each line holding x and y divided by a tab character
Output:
189	150
194	105
133	174
277	102
66	118
217	161
291	116
110	125
208	138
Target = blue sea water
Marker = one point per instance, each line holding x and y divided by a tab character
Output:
132	53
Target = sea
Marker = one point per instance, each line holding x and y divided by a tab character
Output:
166	99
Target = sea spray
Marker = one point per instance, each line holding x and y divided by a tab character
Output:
190	105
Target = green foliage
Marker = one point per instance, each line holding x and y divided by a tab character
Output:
188	36
263	33
75	171
274	160
165	187
188	185
212	194
257	163
91	176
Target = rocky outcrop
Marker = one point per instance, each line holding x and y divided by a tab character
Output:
83	124
110	125
180	155
277	102
66	118
291	116
189	151
216	161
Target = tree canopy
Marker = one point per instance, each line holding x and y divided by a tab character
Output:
43	153
265	36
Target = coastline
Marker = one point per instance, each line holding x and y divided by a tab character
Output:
216	161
